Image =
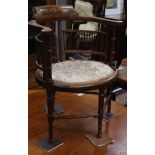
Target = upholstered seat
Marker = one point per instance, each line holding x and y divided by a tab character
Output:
77	73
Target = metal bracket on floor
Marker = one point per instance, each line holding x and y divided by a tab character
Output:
104	140
44	144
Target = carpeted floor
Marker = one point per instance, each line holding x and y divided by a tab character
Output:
121	96
122	99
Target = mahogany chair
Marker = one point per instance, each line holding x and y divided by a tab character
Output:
75	76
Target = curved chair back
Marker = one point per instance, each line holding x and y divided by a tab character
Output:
73	43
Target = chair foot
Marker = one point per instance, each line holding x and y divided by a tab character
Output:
99	141
44	143
58	108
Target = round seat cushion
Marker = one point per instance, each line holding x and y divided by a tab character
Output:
75	73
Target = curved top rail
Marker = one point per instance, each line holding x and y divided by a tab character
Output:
56	12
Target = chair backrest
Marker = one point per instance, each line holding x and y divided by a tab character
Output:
87	44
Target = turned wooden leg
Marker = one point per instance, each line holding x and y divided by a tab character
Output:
50	105
110	97
109	106
49	143
100	112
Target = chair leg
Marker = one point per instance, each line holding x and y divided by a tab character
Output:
99	139
110	97
50	105
50	143
109	107
100	112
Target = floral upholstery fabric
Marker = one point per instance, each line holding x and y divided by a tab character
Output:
80	72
